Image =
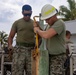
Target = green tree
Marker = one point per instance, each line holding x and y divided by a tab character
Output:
3	38
69	13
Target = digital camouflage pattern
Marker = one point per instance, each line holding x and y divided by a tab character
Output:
56	63
21	59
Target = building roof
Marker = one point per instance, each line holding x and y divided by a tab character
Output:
71	26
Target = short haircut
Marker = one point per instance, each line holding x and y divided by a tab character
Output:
68	32
26	7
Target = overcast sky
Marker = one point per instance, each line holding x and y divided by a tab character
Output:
10	10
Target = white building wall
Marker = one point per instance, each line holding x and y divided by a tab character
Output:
71	26
73	38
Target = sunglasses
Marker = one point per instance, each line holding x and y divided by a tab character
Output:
27	14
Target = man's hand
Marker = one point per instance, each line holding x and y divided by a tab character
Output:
10	47
36	29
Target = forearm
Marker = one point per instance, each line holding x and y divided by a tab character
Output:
10	41
43	34
10	38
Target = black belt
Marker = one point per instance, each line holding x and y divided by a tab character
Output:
56	54
25	44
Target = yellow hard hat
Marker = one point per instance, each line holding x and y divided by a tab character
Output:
47	11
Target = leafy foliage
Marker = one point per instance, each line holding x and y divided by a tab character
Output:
69	13
3	38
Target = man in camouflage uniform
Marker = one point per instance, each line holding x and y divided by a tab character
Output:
25	42
55	39
67	63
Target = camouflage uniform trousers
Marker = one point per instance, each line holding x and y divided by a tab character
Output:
56	63
21	58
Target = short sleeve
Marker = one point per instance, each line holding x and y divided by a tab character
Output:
14	26
59	27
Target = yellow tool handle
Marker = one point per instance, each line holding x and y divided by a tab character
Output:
36	43
36	35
